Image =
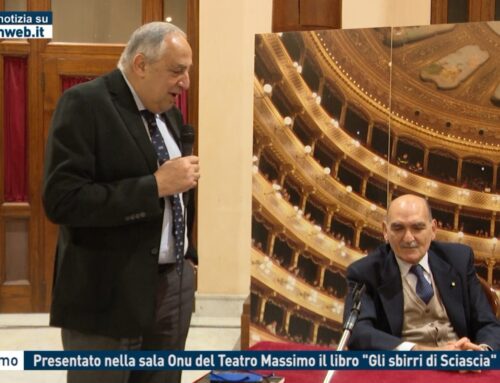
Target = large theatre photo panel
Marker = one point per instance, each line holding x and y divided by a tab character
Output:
346	120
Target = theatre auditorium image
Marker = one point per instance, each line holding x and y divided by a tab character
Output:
344	122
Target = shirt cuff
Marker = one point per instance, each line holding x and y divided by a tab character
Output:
405	346
485	347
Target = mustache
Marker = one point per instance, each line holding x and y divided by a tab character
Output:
409	245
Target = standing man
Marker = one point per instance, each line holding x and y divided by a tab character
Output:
420	294
116	181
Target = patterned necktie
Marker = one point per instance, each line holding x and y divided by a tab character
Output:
178	217
424	288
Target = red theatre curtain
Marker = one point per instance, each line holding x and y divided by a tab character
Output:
15	129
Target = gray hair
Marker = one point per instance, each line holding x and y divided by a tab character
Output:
149	40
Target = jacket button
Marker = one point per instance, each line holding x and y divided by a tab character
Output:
154	251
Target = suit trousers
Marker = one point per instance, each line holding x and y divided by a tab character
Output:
169	332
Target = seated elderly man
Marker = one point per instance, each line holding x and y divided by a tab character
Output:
420	294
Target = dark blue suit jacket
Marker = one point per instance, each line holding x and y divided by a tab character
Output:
381	318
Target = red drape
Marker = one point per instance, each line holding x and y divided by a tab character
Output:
69	81
183	105
15	129
15	125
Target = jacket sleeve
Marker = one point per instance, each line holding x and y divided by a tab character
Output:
484	327
72	193
370	332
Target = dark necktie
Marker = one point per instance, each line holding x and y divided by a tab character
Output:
178	217
424	288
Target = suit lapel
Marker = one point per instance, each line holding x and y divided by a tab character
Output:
127	108
450	290
391	294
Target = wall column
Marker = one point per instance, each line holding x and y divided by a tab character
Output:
224	195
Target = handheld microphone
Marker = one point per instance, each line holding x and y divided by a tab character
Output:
187	140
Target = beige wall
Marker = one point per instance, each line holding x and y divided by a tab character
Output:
383	13
227	29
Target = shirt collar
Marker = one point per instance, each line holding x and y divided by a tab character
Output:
137	100
404	267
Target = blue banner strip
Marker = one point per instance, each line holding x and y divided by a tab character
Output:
260	360
25	18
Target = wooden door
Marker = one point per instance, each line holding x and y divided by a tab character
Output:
60	63
19	201
305	15
27	238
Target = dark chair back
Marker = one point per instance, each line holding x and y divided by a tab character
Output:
491	295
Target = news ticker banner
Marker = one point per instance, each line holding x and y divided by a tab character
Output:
248	360
25	25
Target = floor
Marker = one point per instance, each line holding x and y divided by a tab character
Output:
31	332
